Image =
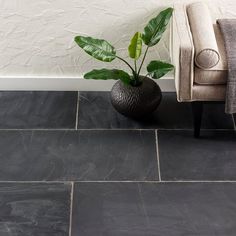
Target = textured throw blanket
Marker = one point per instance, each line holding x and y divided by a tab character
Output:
228	28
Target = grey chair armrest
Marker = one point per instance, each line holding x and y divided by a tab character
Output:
182	53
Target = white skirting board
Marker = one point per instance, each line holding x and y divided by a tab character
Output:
68	84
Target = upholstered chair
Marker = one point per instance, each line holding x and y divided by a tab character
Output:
199	56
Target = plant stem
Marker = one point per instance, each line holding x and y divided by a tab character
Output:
133	71
135	66
144	56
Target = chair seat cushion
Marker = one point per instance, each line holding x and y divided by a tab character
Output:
217	74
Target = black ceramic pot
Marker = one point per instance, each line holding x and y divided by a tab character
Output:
136	102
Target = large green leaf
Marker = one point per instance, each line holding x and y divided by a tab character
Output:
156	27
105	74
135	47
157	69
97	48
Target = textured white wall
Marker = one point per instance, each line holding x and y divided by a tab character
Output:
37	35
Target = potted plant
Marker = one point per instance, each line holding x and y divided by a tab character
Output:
132	95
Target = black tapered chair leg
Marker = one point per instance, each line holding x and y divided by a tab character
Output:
197	108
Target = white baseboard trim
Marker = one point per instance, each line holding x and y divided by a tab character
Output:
68	84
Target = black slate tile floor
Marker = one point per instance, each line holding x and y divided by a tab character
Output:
30	209
78	155
96	112
214	117
212	157
164	209
110	175
37	110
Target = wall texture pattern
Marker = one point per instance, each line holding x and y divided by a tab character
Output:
37	36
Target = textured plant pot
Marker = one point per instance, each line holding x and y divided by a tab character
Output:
136	102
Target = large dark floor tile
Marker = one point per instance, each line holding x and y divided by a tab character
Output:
34	209
212	157
78	155
97	112
38	110
138	209
214	117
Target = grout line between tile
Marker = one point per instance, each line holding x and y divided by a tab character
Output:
202	129
62	129
35	181
77	113
158	157
73	129
163	181
71	207
122	181
199	181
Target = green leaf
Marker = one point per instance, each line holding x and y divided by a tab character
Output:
135	47
157	69
105	74
156	27
97	48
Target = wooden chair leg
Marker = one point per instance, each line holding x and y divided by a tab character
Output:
197	108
